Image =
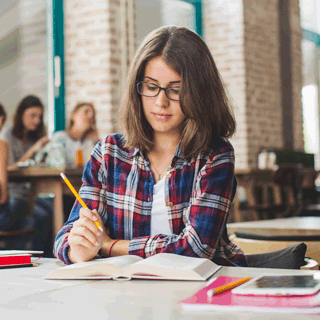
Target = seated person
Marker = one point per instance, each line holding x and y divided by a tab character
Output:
81	133
23	141
166	184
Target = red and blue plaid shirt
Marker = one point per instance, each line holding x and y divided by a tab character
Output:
198	195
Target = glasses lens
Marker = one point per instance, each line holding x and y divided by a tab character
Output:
173	93
148	89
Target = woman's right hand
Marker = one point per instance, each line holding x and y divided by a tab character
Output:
85	239
39	145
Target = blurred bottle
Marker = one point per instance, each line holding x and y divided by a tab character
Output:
79	155
272	160
55	155
263	159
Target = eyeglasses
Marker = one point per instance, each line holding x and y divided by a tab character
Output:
149	89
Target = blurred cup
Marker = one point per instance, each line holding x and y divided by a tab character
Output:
79	158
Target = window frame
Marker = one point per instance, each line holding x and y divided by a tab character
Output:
198	18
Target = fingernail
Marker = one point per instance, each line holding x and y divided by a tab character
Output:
99	233
95	218
97	243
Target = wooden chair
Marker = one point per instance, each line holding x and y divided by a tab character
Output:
269	194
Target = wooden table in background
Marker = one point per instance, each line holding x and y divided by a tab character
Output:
48	180
286	226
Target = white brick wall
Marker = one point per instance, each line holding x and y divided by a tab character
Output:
243	36
88	58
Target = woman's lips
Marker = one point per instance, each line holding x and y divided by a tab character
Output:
161	116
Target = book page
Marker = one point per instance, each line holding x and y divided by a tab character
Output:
110	267
173	266
18	252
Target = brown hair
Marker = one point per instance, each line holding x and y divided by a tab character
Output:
203	99
3	113
18	128
77	108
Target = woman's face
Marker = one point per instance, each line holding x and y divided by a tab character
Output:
84	118
164	115
31	118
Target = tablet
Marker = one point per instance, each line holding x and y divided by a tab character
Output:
280	285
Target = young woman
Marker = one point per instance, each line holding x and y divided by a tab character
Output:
167	183
23	141
81	133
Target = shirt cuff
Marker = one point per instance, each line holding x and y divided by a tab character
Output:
65	255
137	246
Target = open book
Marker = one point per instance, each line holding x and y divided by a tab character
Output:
165	266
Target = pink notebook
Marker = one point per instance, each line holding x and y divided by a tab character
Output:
231	302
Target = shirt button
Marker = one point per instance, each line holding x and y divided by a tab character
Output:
170	204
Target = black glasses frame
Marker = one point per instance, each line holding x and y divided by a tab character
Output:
160	88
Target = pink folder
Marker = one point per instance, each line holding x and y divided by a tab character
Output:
228	301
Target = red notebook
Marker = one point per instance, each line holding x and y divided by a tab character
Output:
10	261
239	303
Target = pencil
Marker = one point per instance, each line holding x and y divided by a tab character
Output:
226	287
73	190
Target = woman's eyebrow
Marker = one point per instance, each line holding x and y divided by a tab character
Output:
177	81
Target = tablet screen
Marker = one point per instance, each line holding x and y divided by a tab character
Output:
280	285
286	282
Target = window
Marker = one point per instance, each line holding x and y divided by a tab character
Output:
152	14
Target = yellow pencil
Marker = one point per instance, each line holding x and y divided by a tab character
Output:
226	287
73	190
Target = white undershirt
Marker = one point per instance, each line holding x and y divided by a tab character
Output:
159	213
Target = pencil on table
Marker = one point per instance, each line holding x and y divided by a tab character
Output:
226	287
73	190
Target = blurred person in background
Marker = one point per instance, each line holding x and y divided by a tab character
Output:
23	140
81	135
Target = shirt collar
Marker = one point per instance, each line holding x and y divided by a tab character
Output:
133	152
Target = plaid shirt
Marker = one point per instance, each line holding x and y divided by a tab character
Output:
198	195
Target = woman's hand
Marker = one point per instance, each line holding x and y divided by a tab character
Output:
39	144
85	238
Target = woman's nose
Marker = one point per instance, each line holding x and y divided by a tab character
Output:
162	100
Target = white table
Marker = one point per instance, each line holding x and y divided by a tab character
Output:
302	226
25	293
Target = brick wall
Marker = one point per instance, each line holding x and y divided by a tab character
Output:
263	95
88	58
296	74
224	35
243	36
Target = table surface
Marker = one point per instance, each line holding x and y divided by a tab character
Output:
25	292
284	226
